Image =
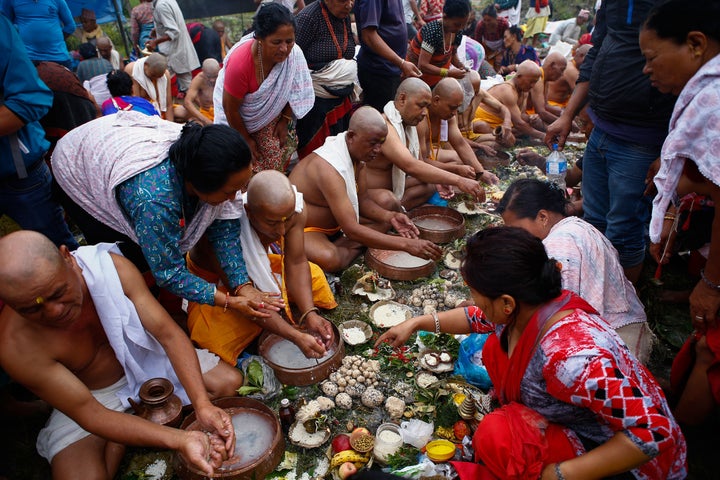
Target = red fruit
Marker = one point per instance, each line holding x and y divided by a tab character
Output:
341	443
461	429
347	469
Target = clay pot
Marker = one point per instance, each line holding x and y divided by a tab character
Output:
158	403
438	224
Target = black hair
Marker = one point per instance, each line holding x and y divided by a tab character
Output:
119	83
207	156
270	17
676	18
456	8
517	32
527	196
87	50
489	11
510	261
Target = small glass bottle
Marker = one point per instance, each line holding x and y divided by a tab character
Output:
286	414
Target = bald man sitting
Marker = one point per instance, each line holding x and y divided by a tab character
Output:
479	133
151	81
82	331
333	180
559	91
441	139
513	94
274	213
398	168
198	103
552	70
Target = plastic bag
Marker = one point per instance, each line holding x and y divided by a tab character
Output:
416	432
469	363
271	385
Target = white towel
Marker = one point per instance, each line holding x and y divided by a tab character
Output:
335	152
139	76
408	135
255	254
139	353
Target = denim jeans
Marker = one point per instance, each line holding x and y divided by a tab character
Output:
29	201
613	182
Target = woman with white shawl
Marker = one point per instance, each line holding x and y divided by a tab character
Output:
264	86
681	44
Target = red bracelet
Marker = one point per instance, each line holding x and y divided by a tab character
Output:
227	300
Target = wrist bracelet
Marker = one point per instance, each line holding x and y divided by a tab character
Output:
709	282
286	117
558	473
302	317
227	300
437	323
443	72
669	216
237	290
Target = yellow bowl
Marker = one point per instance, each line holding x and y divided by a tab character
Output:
440	450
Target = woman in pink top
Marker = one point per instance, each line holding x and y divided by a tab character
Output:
590	265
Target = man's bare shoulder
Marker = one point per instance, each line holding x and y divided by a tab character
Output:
23	344
505	93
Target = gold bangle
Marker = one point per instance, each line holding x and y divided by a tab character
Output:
443	72
302	317
227	301
669	216
237	290
286	117
437	323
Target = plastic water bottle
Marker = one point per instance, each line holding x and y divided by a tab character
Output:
556	167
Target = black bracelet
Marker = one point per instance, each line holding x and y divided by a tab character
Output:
709	282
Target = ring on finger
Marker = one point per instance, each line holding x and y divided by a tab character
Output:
700	317
261	305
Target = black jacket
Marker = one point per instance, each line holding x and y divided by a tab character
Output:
619	91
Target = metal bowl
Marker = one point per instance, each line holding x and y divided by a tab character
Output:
438	224
398	265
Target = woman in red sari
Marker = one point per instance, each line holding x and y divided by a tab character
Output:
575	403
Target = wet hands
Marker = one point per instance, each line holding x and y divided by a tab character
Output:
321	329
424	249
404	226
216	421
446	192
204	450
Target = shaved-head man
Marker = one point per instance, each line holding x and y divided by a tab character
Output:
477	133
198	103
82	331
552	70
274	213
513	94
398	168
333	180
442	140
107	51
151	81
559	91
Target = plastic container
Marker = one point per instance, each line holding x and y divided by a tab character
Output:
556	167
388	440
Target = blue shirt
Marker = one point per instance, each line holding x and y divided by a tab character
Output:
388	17
25	95
41	24
158	209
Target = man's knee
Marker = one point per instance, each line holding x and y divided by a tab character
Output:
223	381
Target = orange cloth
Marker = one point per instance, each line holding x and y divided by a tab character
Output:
558	104
487	117
227	334
209	112
327	231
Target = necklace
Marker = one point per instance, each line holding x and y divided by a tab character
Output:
452	35
340	51
260	62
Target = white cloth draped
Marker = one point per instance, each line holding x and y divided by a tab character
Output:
255	253
157	97
335	152
408	135
336	74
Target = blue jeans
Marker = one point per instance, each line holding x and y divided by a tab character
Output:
613	182
29	201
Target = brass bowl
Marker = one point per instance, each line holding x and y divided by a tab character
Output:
438	224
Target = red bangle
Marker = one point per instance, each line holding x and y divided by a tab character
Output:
227	301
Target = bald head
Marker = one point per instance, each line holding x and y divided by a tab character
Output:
580	53
366	118
26	256
156	64
528	68
554	66
103	42
412	86
270	189
210	67
448	87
